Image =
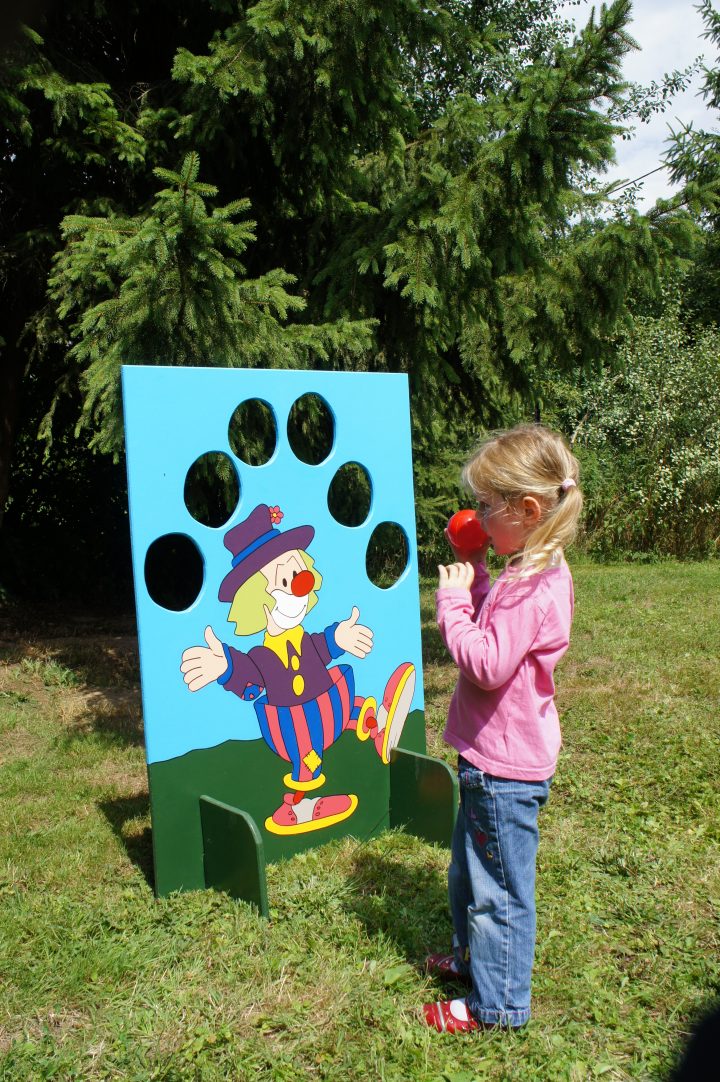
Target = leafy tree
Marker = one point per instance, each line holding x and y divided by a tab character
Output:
694	159
647	430
411	172
694	154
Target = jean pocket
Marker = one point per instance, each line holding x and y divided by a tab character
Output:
469	776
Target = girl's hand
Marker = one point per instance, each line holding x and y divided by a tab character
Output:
476	555
457	576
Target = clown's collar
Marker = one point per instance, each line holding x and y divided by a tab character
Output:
279	644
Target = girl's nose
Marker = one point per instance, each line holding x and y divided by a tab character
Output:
303	583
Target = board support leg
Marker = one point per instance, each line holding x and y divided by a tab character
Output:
423	796
233	853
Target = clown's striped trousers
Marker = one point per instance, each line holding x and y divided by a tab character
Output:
300	734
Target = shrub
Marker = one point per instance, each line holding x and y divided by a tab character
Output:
648	436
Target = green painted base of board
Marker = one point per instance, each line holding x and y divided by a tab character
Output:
248	777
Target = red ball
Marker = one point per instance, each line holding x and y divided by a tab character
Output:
465	531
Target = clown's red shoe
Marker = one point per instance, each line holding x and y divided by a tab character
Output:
450	1016
310	813
445	967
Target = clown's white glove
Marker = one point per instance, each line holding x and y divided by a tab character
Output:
201	665
353	637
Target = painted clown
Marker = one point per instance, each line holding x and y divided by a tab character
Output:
303	702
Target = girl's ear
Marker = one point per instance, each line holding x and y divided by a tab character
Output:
532	511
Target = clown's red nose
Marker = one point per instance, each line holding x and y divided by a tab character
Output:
303	583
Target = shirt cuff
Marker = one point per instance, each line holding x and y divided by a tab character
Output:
222	680
334	650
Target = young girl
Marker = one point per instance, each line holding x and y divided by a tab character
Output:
506	642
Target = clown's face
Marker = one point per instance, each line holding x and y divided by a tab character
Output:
289	584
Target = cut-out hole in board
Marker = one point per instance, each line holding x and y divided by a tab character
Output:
252	433
174	571
387	554
212	489
350	495
311	429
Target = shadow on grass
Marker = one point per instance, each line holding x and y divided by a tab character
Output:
699	1061
407	904
115	714
138	844
106	662
112	714
81	649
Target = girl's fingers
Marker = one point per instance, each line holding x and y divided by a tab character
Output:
456	575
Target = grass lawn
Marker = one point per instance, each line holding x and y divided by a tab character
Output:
101	981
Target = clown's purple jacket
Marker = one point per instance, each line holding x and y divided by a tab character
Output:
304	678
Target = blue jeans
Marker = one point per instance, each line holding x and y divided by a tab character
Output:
491	883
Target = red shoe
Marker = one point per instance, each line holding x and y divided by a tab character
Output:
310	813
444	966
450	1016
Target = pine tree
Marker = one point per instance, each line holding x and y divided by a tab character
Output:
385	185
176	292
694	160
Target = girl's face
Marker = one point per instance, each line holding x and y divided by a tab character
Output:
508	524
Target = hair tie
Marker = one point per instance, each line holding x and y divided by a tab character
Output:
568	483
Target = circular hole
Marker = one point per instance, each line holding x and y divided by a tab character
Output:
350	495
311	429
174	571
212	489
252	433
387	554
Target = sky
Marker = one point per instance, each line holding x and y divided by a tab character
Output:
669	34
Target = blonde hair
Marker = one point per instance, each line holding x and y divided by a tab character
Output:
531	460
247	612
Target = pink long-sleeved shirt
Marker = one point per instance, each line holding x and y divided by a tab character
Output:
506	642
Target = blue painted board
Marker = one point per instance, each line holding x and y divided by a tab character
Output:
173	416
